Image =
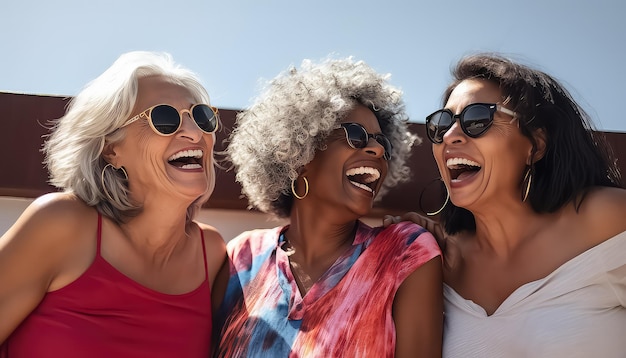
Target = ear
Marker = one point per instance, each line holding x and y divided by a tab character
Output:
303	170
541	142
110	155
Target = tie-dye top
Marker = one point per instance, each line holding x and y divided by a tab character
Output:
346	313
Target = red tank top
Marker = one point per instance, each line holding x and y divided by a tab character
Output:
106	314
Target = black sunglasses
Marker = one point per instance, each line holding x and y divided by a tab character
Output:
357	138
474	119
165	120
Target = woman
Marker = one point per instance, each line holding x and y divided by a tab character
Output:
114	266
318	147
535	263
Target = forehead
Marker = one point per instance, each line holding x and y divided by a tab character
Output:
473	91
154	90
364	116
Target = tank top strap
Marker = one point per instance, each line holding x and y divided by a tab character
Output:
206	266
99	235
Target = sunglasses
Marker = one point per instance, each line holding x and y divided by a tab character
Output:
166	120
357	138
474	119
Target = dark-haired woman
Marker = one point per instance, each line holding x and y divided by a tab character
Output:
535	264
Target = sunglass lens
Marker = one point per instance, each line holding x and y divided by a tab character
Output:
386	145
477	119
165	119
205	118
357	136
437	124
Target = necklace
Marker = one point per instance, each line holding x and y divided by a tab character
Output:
306	277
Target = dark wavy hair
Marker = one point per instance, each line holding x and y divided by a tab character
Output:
577	156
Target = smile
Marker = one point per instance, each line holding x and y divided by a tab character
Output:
365	178
187	159
461	168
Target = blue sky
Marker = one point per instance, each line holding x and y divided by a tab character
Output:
55	47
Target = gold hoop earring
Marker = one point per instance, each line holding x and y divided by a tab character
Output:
306	188
443	206
528	178
104	188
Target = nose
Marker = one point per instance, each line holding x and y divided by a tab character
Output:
454	134
188	128
374	147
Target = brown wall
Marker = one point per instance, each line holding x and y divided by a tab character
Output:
23	120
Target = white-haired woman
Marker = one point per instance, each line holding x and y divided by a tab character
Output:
318	147
113	265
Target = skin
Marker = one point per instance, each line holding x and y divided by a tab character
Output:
54	240
322	228
512	244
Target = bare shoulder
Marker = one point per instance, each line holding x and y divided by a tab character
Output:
212	237
215	249
54	215
603	210
48	240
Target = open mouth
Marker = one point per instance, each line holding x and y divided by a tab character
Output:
187	159
365	178
461	168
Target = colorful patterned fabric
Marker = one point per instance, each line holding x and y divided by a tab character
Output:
347	313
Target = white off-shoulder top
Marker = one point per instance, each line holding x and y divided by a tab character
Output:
579	310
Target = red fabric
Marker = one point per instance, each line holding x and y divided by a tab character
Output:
106	314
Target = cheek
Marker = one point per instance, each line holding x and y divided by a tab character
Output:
437	150
438	156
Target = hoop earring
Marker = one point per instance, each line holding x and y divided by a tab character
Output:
424	190
306	188
104	188
443	206
526	182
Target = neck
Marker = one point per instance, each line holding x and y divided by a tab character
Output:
318	237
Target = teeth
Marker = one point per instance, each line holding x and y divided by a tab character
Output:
191	166
373	173
452	163
362	186
196	153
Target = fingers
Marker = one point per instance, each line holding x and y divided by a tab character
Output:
390	219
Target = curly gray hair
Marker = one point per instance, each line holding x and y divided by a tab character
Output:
292	118
74	149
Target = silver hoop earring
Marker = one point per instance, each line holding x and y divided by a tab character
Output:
306	188
104	188
526	182
443	206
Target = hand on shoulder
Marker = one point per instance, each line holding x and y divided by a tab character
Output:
433	226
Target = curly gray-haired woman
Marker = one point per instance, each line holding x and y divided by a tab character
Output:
318	147
114	265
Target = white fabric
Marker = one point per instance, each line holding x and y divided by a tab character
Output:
579	310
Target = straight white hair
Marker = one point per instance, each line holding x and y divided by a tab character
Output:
73	152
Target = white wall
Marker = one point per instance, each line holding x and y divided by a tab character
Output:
229	223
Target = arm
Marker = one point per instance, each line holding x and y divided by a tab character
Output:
35	256
418	312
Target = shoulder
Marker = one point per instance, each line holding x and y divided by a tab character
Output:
255	240
407	233
409	241
212	237
215	249
602	212
55	215
53	236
